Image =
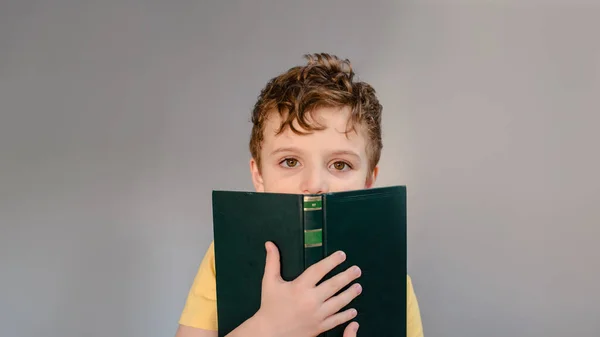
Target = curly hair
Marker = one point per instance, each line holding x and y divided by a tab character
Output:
325	81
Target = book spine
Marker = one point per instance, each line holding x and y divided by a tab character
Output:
313	230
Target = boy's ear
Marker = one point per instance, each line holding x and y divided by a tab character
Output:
372	177
257	179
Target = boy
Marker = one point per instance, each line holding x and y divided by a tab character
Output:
315	130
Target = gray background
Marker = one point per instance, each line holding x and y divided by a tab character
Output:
117	118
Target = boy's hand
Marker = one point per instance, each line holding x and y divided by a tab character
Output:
299	308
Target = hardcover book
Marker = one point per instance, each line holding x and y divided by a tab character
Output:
368	225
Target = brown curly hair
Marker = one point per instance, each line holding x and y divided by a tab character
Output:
325	81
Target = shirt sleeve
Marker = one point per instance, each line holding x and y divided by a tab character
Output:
200	310
414	326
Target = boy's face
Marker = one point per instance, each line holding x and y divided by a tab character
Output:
322	161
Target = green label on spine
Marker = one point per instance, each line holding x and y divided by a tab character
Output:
313	238
312	203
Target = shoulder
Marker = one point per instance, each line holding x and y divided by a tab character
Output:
200	310
409	284
204	285
207	267
413	313
411	296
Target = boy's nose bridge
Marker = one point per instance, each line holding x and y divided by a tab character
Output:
315	181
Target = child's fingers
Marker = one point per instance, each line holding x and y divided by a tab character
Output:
351	329
337	319
317	271
272	263
336	303
333	285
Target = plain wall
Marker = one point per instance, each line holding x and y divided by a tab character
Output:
117	118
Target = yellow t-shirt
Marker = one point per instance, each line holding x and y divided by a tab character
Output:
200	309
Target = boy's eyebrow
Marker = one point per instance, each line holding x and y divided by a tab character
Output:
346	152
285	149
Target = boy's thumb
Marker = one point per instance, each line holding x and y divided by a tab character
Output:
272	264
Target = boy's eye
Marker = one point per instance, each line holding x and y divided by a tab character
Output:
341	166
290	162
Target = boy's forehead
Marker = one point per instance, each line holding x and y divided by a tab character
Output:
335	135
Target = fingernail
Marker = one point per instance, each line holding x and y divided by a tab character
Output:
353	313
357	288
356	270
356	327
342	254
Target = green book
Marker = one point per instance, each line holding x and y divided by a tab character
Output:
368	225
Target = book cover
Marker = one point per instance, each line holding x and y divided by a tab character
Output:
368	225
